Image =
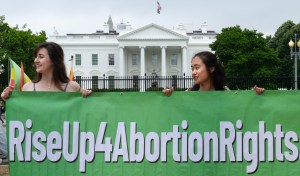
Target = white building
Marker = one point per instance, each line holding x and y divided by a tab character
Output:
149	50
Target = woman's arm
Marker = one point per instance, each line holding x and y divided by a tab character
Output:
6	92
74	86
168	91
258	90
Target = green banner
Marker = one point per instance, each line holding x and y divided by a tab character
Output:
149	134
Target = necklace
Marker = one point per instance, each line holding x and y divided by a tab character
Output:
50	85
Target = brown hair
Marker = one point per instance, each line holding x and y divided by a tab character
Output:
56	55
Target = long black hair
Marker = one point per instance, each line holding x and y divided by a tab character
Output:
218	75
56	55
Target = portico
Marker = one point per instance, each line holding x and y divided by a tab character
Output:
152	49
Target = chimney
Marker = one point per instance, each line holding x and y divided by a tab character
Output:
204	28
106	28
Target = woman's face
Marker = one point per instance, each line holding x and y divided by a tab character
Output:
43	63
199	71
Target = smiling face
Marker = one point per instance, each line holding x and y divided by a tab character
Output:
200	72
42	61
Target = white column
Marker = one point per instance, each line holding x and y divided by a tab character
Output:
142	60
184	60
142	86
163	65
121	61
163	61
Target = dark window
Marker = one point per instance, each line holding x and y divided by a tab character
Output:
78	80
174	81
95	82
111	82
111	59
173	59
134	59
77	59
94	59
135	81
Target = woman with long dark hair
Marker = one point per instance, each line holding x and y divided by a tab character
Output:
208	74
51	72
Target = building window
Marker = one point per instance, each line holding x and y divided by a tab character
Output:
154	60
134	59
135	81
94	82
111	59
174	81
94	59
111	82
77	59
78	80
173	59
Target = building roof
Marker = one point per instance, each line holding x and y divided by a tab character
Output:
100	32
199	32
158	32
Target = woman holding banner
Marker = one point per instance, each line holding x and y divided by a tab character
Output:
51	72
208	74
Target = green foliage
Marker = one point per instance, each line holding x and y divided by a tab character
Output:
281	36
280	43
244	52
18	45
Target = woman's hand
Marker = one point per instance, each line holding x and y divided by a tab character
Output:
167	91
85	92
258	90
6	92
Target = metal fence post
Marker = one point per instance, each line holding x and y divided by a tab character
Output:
145	79
184	81
104	81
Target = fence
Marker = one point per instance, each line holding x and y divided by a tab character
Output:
180	83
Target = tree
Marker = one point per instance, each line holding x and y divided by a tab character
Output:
280	43
244	53
280	34
18	45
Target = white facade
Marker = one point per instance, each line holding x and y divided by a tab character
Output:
149	50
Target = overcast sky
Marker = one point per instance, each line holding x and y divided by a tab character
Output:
87	16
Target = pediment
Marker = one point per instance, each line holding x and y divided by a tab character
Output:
78	72
111	73
152	32
95	72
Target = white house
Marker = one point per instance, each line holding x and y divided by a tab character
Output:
149	50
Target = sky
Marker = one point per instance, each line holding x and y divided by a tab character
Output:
88	16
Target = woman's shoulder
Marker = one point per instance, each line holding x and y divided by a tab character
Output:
28	86
73	86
